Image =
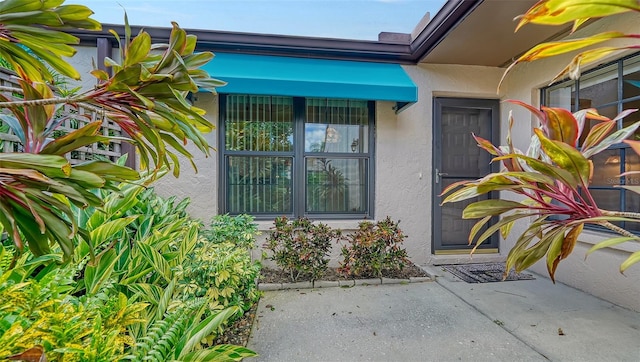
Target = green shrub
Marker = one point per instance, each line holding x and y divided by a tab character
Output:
300	247
373	249
222	272
220	266
40	313
239	230
125	295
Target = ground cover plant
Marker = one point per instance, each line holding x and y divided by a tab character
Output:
551	179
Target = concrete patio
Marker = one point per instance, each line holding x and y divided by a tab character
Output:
445	320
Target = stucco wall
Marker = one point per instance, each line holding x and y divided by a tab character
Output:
83	61
200	186
598	274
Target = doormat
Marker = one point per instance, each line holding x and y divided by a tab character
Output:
483	272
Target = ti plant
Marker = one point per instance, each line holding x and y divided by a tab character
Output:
145	96
551	181
578	12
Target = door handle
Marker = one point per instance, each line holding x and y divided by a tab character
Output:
440	174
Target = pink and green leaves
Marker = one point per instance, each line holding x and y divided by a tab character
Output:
551	184
145	97
559	12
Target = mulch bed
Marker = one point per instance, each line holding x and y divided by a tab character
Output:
279	276
238	333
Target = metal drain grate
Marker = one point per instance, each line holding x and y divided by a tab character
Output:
483	272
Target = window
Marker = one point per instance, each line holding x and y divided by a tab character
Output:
611	89
296	156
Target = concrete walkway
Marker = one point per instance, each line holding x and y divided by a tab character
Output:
446	320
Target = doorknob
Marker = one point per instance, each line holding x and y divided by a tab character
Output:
440	174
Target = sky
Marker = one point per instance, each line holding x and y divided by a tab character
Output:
346	19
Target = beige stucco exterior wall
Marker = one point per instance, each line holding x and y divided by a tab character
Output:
201	186
598	274
83	61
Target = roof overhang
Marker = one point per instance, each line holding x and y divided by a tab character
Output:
307	77
465	32
468	32
484	34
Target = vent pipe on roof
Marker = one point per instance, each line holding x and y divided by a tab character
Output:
421	25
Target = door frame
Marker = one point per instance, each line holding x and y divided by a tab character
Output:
493	243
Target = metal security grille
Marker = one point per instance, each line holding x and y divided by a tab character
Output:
259	147
336	156
296	156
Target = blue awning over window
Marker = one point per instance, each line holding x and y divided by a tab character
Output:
305	77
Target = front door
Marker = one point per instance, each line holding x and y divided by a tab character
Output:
456	157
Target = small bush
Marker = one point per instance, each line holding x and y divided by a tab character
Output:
222	272
220	267
373	249
300	247
239	230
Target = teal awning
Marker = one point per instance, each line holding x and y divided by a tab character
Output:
306	77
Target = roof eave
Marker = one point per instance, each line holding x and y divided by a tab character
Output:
451	14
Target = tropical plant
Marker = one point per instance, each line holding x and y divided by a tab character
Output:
221	264
578	12
98	280
223	272
373	249
239	230
300	247
551	180
145	96
39	314
126	300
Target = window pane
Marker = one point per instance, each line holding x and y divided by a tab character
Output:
336	126
632	163
632	118
259	123
561	95
631	78
606	168
259	185
336	185
607	199
632	204
632	199
599	87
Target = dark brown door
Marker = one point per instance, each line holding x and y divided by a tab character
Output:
456	157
